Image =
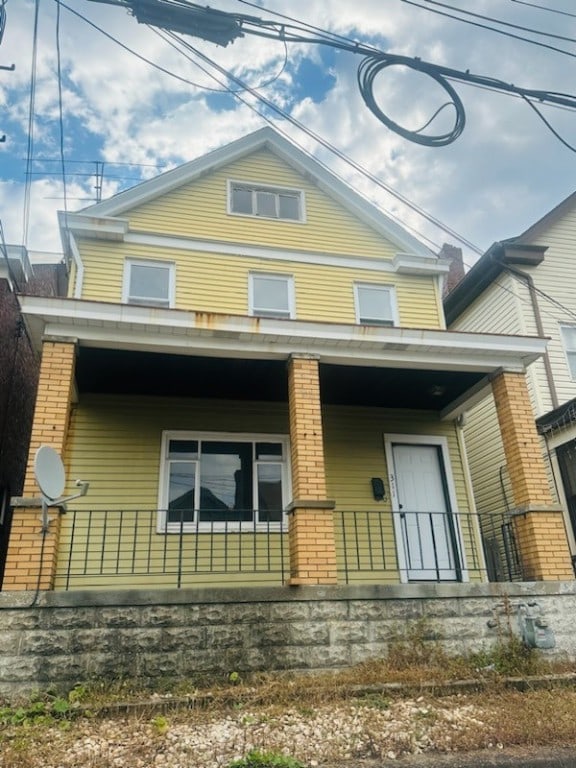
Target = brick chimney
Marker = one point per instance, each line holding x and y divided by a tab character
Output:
456	273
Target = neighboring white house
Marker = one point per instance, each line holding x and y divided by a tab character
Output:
525	285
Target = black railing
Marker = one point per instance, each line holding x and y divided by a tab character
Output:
148	548
151	548
425	546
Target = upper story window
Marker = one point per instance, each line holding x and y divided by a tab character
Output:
271	295
375	304
219	480
149	282
569	340
247	199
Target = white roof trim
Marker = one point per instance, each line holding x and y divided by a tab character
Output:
124	326
302	162
117	229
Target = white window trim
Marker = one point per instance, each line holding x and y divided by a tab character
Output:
280	276
238	437
393	302
270	188
129	262
390	440
568	352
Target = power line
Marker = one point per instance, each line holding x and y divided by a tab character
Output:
244	87
487	27
541	8
224	28
30	141
60	109
331	148
502	23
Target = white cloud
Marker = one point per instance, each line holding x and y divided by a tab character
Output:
504	172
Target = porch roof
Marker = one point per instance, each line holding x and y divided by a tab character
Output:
209	335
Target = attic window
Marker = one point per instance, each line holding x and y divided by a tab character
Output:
266	202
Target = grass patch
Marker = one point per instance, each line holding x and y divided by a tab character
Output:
256	759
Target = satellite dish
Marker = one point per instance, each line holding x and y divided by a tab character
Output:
49	472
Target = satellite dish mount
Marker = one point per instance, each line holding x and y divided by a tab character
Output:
51	479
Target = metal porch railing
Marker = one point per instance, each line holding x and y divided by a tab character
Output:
147	548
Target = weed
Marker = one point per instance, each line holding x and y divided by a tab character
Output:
256	759
160	725
508	657
375	701
417	645
307	711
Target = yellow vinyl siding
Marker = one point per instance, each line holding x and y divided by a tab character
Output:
199	210
115	442
208	282
354	448
218	282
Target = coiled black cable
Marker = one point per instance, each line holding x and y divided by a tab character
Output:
371	66
2	18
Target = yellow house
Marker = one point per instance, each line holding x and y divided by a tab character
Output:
252	371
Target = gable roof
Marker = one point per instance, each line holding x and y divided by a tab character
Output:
489	266
298	159
515	250
548	219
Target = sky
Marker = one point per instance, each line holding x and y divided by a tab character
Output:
503	173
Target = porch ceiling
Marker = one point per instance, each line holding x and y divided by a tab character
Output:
145	373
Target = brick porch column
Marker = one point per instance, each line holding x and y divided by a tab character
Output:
311	528
29	552
538	523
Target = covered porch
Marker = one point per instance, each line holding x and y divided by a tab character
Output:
228	451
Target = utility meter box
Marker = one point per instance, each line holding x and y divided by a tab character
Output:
536	633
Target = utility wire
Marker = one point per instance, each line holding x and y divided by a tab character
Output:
331	148
541	8
30	141
562	140
489	28
2	18
244	87
143	58
221	27
502	23
60	109
444	228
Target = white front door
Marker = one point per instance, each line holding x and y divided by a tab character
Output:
425	528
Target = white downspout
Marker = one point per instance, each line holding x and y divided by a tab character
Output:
79	281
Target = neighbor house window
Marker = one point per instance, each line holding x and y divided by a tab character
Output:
266	202
271	295
375	304
220	480
569	340
149	282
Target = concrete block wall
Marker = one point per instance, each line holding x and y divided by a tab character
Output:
158	635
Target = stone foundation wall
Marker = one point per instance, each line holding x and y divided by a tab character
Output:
61	638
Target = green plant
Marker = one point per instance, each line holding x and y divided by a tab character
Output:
375	701
161	725
256	759
234	678
509	657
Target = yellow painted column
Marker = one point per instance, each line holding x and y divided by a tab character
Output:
311	529
31	558
538	523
